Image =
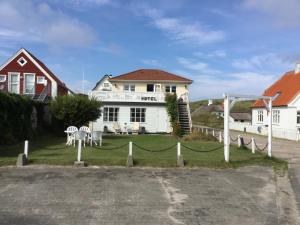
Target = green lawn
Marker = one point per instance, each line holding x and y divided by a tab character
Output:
52	150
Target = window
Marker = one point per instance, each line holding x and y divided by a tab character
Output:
40	80
260	116
2	78
106	85
137	114
29	83
170	88
129	87
110	114
22	61
298	117
150	87
276	116
14	85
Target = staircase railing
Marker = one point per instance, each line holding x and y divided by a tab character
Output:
43	94
185	98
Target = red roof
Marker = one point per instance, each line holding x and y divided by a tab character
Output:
150	75
288	87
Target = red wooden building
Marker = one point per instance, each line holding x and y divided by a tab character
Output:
24	74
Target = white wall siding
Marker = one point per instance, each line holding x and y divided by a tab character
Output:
156	119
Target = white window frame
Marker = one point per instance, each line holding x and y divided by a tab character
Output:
260	116
24	84
19	61
129	87
133	115
115	114
9	82
276	116
39	78
170	88
3	75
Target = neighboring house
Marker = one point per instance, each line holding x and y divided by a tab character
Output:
138	97
240	117
210	108
286	107
24	74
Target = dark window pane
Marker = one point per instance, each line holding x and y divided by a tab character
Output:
168	88
150	87
143	119
174	89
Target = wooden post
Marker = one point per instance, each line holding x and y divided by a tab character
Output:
253	145
180	161
220	136
239	141
26	148
213	132
206	131
130	158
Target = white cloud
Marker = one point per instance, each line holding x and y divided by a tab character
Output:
196	66
111	48
179	29
243	83
213	54
284	13
263	62
151	62
28	21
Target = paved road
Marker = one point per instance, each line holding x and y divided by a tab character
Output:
62	195
285	149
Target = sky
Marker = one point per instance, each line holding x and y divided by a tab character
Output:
235	46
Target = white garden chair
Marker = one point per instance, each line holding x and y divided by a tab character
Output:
94	137
117	128
87	131
80	135
135	128
70	134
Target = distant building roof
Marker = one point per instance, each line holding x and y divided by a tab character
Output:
208	109
288	87
241	116
150	75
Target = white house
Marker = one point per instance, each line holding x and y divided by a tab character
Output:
138	97
286	107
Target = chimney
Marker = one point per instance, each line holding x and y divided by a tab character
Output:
210	102
297	70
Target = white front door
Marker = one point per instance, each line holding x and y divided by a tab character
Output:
14	83
29	83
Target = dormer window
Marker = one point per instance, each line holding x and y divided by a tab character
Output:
22	61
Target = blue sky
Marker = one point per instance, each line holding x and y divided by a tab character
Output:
239	46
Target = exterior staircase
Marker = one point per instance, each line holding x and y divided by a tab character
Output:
184	117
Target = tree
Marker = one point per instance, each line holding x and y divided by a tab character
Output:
75	110
172	109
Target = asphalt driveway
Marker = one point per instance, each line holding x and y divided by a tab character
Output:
134	196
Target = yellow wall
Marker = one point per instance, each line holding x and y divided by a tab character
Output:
142	87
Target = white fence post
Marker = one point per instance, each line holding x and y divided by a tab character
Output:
239	141
220	136
178	149
213	132
226	127
253	145
26	148
270	129
79	151
130	148
206	131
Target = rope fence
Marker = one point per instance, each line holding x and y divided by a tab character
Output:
201	151
150	150
260	149
110	149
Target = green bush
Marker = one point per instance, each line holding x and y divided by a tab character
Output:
172	109
75	110
197	136
15	118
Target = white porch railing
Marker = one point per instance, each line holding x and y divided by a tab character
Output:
107	96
